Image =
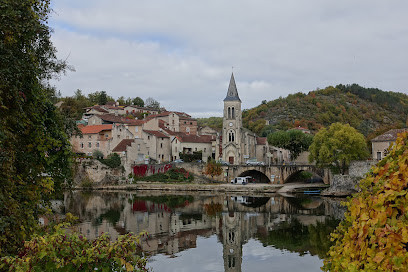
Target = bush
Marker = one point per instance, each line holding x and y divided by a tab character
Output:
374	234
63	251
173	175
113	161
197	155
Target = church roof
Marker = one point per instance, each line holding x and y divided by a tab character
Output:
232	94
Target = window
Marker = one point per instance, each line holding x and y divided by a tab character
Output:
136	129
196	149
233	113
191	123
161	145
89	136
148	137
89	144
229	113
205	149
97	144
379	156
118	136
82	145
106	135
187	129
185	122
138	147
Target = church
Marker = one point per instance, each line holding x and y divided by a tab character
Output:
239	144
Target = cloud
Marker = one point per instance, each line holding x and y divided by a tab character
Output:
181	52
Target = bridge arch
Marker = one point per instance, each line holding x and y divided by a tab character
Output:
258	176
303	176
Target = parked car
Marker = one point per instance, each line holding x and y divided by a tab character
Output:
178	161
223	162
254	162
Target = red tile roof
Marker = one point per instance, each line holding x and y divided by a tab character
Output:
167	113
261	140
95	129
120	119
123	145
98	108
156	133
389	136
189	138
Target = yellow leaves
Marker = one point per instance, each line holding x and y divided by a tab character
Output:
374	234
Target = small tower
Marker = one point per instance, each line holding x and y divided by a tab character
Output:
232	125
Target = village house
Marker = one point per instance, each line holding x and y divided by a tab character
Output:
175	121
188	144
93	137
158	145
132	109
381	143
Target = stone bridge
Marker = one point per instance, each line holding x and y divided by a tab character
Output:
276	174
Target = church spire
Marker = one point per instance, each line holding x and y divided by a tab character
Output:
232	94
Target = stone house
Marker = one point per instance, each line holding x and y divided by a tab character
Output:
136	109
158	145
91	111
380	144
131	152
93	137
207	131
187	144
175	121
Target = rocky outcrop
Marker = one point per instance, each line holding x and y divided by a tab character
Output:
345	185
94	173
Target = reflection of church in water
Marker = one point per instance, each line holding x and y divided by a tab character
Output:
233	239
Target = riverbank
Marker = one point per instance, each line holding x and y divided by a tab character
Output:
209	188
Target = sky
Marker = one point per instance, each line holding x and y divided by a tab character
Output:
182	52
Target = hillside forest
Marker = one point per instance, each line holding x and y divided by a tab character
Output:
369	110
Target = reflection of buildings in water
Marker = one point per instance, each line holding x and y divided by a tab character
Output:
172	230
169	232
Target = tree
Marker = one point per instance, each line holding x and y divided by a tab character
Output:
152	103
121	100
374	234
213	168
138	102
337	146
34	145
293	140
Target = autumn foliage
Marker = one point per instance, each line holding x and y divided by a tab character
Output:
213	168
374	234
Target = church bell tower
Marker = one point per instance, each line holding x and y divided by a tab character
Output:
232	125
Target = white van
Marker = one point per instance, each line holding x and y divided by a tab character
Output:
240	180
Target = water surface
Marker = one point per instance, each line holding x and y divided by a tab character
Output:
214	232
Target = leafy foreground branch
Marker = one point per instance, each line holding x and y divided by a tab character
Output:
374	234
64	251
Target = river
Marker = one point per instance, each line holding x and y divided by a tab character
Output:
218	232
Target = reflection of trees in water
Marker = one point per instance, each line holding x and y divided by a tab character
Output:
170	201
296	237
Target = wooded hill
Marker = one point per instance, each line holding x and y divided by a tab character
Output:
371	111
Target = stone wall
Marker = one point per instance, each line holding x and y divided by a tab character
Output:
345	185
